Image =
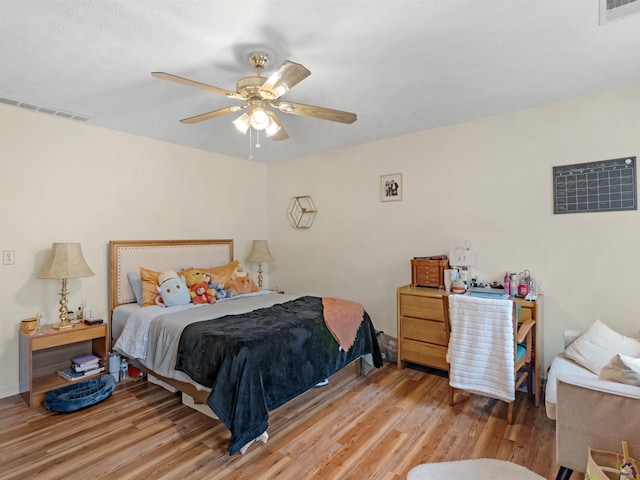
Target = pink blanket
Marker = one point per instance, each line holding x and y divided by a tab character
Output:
343	318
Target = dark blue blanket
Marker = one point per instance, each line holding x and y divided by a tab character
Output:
258	361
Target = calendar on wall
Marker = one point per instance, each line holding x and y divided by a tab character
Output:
603	186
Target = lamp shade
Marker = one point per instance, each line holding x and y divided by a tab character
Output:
260	252
65	261
242	123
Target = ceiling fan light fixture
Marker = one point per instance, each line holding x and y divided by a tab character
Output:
259	95
274	125
242	123
259	119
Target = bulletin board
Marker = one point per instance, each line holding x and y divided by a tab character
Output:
603	186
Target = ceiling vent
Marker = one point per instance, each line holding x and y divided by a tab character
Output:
617	9
50	111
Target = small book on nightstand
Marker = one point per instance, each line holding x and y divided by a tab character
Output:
84	360
85	368
70	374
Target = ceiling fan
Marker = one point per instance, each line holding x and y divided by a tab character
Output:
258	93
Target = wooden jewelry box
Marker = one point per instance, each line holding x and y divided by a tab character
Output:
428	271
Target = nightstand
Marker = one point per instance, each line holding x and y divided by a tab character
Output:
45	352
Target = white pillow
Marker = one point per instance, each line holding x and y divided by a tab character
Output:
598	345
622	369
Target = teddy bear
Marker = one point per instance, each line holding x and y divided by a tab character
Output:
195	277
241	284
200	293
172	290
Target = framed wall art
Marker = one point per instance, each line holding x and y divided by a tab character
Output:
391	187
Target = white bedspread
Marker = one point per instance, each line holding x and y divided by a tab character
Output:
151	334
481	346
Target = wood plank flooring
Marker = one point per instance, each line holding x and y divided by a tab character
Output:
377	427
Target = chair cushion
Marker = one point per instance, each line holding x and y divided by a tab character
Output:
521	351
80	395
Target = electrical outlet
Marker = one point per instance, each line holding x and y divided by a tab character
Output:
8	257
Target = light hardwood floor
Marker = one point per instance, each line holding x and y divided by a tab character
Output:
377	427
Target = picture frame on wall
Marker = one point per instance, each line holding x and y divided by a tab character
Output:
391	187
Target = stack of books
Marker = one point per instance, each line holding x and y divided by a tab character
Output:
81	367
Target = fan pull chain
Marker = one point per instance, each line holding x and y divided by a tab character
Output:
258	139
250	143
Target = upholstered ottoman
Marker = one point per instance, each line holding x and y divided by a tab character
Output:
480	469
80	395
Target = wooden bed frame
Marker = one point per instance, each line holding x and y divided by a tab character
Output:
158	255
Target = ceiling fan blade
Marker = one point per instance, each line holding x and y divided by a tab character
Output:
316	112
285	78
193	83
215	113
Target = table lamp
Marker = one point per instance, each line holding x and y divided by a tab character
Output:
65	261
260	253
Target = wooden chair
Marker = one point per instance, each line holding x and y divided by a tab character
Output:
522	353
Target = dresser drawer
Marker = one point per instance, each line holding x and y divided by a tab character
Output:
422	307
423	330
429	277
424	354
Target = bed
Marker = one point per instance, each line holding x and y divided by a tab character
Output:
238	358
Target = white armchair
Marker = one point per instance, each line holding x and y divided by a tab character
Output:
589	413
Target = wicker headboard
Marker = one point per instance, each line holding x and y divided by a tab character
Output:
129	255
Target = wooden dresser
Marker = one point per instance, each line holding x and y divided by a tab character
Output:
422	337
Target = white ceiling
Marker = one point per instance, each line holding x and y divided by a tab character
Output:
402	65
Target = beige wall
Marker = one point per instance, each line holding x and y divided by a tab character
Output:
64	181
488	181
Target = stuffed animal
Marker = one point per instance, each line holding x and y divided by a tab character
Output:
240	285
238	272
172	291
200	293
221	293
195	276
